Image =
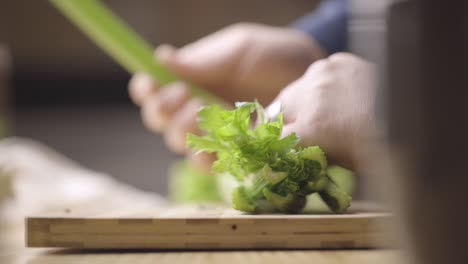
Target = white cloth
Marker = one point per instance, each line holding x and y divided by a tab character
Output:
42	180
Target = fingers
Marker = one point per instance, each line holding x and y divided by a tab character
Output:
141	86
173	112
187	65
184	121
160	107
185	62
168	109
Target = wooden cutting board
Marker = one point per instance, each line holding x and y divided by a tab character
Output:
208	227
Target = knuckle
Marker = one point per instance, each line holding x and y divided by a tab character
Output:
323	65
189	111
152	117
244	30
178	86
241	26
175	140
287	95
142	80
341	56
140	86
173	95
324	85
195	104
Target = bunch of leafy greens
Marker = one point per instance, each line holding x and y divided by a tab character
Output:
275	174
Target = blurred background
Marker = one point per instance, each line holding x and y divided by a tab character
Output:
66	93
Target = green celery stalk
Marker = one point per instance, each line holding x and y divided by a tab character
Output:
120	41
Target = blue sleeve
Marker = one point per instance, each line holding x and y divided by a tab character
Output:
327	25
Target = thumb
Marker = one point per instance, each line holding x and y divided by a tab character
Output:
182	64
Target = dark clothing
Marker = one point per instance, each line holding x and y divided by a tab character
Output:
327	25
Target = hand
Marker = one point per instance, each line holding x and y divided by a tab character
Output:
332	105
239	63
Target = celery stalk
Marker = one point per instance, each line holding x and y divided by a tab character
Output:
120	41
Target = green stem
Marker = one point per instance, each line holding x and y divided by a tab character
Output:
120	41
337	200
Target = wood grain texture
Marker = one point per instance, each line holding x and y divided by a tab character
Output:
207	227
